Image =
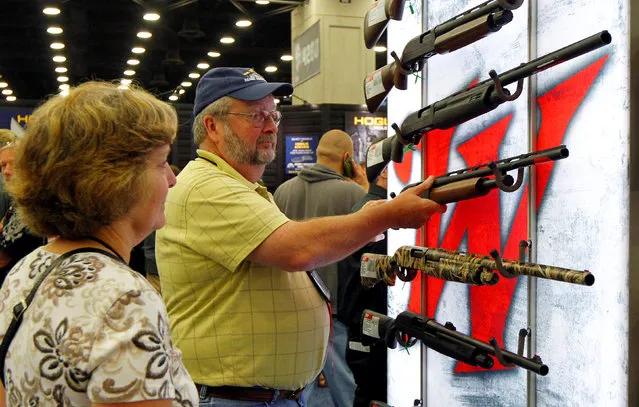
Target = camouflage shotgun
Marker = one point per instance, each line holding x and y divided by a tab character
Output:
512	268
409	327
457	32
408	260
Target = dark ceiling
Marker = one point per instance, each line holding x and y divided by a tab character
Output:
99	35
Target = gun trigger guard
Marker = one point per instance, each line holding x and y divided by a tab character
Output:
500	267
406	274
500	89
499	178
498	354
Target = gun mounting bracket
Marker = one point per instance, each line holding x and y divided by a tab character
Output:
501	92
500	267
500	179
498	354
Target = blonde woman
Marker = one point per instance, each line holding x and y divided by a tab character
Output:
92	170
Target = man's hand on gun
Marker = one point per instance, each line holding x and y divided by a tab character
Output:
412	211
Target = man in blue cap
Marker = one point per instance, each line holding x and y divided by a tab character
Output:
251	326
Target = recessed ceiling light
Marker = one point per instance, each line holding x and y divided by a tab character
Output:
173	97
144	34
51	11
125	81
262	2
194	75
214	54
151	17
54	30
138	50
57	45
59	58
270	68
277	101
379	48
129	72
63	78
60	69
243	23
64	86
286	57
203	65
181	91
7	92
186	84
11	98
133	61
3	84
227	40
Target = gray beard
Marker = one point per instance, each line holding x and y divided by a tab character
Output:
245	154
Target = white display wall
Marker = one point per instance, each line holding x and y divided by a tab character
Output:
575	210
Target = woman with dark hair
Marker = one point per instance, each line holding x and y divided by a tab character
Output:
92	171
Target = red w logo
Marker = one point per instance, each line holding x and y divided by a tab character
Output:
479	218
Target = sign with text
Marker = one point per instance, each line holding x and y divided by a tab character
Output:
364	127
306	55
300	152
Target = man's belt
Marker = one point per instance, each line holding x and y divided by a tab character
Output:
247	393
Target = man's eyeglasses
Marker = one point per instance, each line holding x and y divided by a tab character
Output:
258	118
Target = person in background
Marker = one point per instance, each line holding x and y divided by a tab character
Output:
252	323
92	170
367	362
6	137
148	246
16	239
326	189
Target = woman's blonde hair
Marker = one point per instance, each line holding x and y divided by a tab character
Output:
81	163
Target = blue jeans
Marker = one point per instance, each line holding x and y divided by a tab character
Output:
341	384
208	401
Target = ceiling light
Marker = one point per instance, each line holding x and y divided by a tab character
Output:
286	57
194	75
7	91
227	40
129	72
11	98
203	65
181	91
63	78
57	45
270	68
186	84
123	87
64	86
59	58
133	61
125	81
379	48
3	84
214	54
173	97
137	50
60	69
277	101
151	17
144	34
243	23
262	2
51	11
54	30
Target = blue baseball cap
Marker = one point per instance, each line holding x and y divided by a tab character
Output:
239	83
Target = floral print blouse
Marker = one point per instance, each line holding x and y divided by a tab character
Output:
96	331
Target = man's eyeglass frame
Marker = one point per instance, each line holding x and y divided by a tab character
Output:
259	118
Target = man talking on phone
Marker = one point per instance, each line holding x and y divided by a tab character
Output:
330	187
